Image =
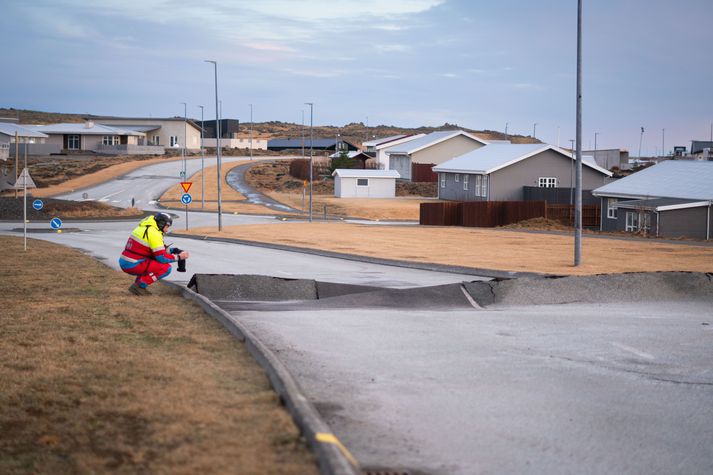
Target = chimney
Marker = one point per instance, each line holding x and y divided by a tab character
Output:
88	124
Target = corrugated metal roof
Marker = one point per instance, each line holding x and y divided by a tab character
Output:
82	129
138	128
684	179
294	143
356	173
427	140
652	204
493	157
22	131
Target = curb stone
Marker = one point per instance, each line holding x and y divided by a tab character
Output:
332	457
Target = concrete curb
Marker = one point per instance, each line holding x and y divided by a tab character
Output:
332	457
492	273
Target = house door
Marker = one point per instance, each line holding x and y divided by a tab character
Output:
401	164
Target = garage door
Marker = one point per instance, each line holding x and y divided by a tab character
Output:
402	164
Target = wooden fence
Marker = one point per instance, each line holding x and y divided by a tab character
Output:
423	173
489	214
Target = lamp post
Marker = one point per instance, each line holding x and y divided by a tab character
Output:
311	141
217	134
578	173
663	142
303	133
185	140
251	131
534	130
202	164
595	140
506	127
336	143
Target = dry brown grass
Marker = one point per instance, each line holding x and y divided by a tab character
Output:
96	380
480	248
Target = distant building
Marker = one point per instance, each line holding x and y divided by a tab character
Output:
697	146
26	137
167	132
330	145
350	183
97	138
229	128
609	158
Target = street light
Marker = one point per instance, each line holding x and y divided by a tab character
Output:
217	134
251	131
185	140
578	174
303	133
506	127
534	129
202	164
595	141
311	143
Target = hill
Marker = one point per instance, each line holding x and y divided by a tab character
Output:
355	132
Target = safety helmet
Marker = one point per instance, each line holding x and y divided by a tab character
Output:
162	219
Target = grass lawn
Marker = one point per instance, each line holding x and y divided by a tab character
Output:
97	380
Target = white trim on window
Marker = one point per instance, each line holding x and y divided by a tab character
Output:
362	182
465	182
611	208
457	177
547	182
73	142
632	221
477	185
484	187
443	180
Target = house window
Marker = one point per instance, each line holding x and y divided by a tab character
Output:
477	185
632	221
457	178
156	140
443	180
465	182
484	186
110	140
73	142
547	182
611	208
174	140
362	182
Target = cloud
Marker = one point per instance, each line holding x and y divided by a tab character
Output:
450	75
394	48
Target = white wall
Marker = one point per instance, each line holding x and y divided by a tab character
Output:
377	188
258	144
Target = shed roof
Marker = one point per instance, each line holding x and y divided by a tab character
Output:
83	129
357	173
22	131
375	142
429	140
684	179
493	157
661	204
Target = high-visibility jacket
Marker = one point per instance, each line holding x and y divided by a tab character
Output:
146	242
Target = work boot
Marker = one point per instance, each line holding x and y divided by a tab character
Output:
136	289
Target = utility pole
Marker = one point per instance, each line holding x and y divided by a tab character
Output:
641	140
202	164
663	142
251	131
311	143
184	149
571	173
578	174
534	130
217	149
595	140
506	127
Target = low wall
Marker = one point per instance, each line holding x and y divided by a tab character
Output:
129	149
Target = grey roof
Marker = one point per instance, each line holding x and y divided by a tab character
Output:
22	131
375	142
652	203
358	173
698	145
350	154
297	143
82	129
428	140
684	179
137	128
496	156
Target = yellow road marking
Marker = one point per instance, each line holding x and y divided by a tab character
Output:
332	439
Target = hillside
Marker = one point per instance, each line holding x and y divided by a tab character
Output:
355	132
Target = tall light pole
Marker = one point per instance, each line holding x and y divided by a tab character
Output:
251	131
534	130
217	149
311	142
185	139
571	173
578	173
506	127
202	164
663	142
366	132
641	140
336	143
595	140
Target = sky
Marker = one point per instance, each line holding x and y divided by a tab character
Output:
484	65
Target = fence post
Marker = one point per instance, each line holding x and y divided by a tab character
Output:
325	212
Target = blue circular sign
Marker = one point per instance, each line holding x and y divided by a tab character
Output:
186	199
37	204
56	223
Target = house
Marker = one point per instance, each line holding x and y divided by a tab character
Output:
237	142
173	132
670	199
331	145
97	138
504	172
350	183
431	149
229	128
378	147
357	156
26	137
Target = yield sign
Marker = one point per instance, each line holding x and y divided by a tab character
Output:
186	185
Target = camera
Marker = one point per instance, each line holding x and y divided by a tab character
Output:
181	262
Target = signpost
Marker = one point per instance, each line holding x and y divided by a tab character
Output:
37	204
186	199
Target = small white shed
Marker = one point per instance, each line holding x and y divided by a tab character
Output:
351	183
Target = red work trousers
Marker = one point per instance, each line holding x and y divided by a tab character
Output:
149	271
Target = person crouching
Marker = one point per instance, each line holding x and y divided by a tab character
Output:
145	254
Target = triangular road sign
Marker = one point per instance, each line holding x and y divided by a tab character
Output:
186	185
24	176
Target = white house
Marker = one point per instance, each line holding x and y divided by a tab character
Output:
350	183
378	147
26	137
